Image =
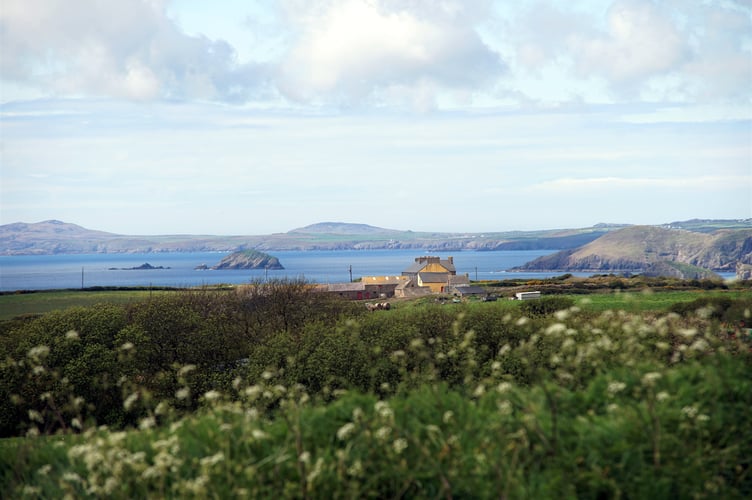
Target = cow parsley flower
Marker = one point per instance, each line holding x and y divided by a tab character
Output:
345	431
399	445
616	387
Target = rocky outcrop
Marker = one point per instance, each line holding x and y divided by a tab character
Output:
249	259
743	271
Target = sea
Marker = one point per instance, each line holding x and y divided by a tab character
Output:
178	269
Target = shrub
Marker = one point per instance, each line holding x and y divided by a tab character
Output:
545	305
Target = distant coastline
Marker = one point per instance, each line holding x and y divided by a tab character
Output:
62	238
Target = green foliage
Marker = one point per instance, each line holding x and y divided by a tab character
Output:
279	391
545	305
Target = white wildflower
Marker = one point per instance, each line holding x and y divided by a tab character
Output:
183	393
663	346
356	469
616	387
71	335
212	460
689	411
662	396
185	370
448	417
505	407
147	423
561	315
211	395
503	387
357	414
253	391
130	400
700	345
40	351
345	431
317	468
399	445
567	344
383	433
127	346
688	333
650	378
384	410
479	391
259	435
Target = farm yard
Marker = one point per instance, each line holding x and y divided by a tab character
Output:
637	391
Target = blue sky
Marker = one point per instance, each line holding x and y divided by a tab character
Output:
242	117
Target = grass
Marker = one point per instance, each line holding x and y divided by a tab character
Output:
648	301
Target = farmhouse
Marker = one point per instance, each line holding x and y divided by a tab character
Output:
434	273
425	276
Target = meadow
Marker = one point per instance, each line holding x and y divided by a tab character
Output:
272	390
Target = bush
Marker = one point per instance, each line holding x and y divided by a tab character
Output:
545	305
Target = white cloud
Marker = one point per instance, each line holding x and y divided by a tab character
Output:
127	48
706	183
639	42
642	49
353	49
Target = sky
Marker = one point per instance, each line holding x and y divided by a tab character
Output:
258	117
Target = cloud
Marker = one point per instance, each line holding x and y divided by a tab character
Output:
639	42
354	49
672	50
599	184
127	49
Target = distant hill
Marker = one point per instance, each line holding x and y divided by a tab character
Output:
56	237
342	228
654	250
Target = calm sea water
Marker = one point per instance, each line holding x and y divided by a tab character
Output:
40	272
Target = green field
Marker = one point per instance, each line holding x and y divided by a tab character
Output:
22	304
647	300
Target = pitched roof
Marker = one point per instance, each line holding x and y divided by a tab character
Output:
346	287
433	277
459	279
422	262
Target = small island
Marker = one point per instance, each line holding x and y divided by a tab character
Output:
247	259
144	266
